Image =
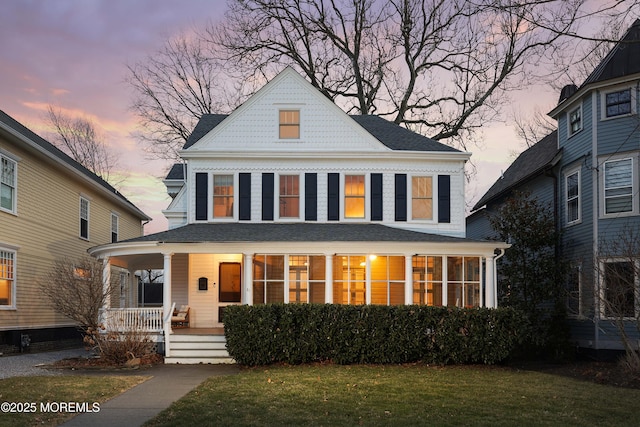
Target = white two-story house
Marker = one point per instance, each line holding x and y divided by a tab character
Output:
290	200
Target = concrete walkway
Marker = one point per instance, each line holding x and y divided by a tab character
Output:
135	406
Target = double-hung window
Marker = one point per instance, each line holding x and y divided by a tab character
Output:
84	218
7	278
421	197
289	124
575	120
572	199
289	196
115	219
618	103
223	196
354	196
8	179
618	186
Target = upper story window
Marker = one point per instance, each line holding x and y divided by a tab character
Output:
115	219
572	199
618	103
289	196
421	197
223	196
618	186
84	218
575	120
7	277
8	179
354	196
289	124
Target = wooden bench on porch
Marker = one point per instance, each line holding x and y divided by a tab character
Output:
180	318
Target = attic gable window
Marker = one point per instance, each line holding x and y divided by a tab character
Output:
618	103
289	124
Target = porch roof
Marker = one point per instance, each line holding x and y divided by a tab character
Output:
294	232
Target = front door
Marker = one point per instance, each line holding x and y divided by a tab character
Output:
230	284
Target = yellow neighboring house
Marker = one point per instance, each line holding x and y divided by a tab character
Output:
51	207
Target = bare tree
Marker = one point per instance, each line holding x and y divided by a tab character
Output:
79	138
444	68
618	270
75	288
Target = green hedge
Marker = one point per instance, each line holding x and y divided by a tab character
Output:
303	333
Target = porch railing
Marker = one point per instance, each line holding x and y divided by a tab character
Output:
133	319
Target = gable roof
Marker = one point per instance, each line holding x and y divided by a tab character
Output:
17	129
530	163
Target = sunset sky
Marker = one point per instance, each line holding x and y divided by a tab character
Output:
73	54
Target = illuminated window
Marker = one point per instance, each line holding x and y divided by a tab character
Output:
427	280
306	278
268	279
7	277
349	279
387	279
463	281
421	197
223	196
289	124
289	196
8	178
354	196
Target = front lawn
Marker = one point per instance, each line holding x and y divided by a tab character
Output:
335	395
39	401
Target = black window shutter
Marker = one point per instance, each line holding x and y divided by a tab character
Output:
444	198
267	197
244	193
202	193
401	197
333	191
376	197
311	196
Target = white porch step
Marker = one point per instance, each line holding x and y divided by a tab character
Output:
198	348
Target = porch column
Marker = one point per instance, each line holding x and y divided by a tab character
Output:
106	282
328	279
489	284
247	295
166	303
408	279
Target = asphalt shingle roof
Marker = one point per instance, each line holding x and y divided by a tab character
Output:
292	232
528	164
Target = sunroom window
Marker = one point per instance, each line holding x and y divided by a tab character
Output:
427	280
268	279
349	279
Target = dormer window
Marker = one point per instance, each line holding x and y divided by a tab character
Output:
289	124
618	103
575	121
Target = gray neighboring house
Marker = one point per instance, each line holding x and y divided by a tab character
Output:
588	169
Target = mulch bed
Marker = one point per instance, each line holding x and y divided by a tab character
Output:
89	363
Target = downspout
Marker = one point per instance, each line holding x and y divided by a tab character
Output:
495	276
595	191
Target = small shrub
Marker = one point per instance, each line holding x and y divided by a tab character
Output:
117	348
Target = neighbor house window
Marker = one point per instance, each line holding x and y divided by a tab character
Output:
387	279
349	279
223	196
289	124
114	227
84	218
572	183
575	120
7	277
618	103
427	280
422	197
618	186
306	278
618	293
268	279
354	199
8	178
289	196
